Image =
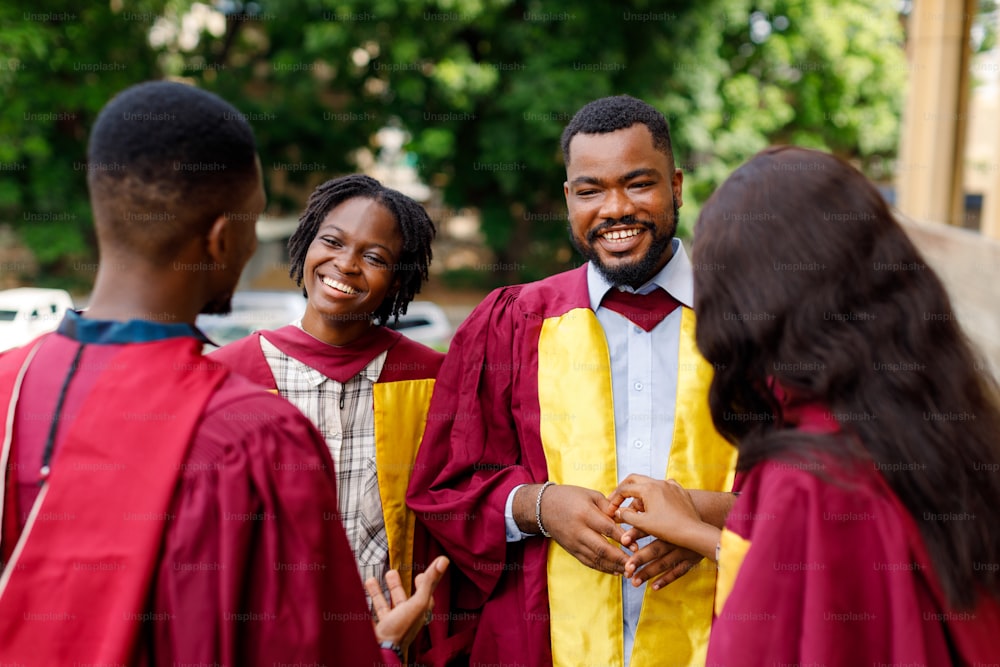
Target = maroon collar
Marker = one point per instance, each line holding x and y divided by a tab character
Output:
337	362
807	416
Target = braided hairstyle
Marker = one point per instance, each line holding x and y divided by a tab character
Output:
414	224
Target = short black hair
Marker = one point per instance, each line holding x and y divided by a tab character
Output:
164	160
414	224
610	114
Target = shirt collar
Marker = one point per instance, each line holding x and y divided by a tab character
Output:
676	277
115	332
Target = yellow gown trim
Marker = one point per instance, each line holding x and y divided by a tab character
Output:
578	435
400	417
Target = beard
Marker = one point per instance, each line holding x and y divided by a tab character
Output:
220	305
633	274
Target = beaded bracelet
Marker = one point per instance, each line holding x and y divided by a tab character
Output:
538	509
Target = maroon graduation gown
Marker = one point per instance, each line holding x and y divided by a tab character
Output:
449	634
483	439
833	571
253	568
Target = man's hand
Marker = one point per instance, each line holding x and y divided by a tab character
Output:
664	563
578	519
400	622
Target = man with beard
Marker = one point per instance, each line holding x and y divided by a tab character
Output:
552	392
158	509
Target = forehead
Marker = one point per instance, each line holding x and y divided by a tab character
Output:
366	218
615	153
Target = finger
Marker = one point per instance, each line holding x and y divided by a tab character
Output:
604	557
640	523
604	524
379	605
631	538
673	574
630	487
395	585
428	580
669	567
655	557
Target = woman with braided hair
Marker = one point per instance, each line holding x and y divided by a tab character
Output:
360	253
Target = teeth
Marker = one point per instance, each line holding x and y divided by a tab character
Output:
619	235
337	285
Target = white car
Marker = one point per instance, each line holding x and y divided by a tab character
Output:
253	310
425	322
28	312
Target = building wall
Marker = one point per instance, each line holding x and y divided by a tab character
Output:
969	266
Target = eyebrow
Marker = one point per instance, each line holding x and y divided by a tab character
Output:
337	229
635	173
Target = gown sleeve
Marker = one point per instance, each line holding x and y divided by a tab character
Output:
830	577
471	456
256	568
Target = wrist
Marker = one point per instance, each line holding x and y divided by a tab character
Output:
394	647
702	537
538	509
523	508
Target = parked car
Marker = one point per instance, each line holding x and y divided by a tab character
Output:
28	312
425	322
253	310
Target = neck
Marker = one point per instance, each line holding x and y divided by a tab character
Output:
124	291
332	331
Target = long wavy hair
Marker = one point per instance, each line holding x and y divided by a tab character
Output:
803	277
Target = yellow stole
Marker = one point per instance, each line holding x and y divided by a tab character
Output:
400	416
578	436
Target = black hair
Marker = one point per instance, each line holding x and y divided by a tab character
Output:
414	224
610	114
164	160
814	285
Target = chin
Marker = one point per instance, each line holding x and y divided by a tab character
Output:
219	306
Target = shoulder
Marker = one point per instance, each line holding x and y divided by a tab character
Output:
246	357
410	360
557	294
235	354
242	417
823	492
548	297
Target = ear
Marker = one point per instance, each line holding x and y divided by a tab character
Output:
217	240
566	191
676	184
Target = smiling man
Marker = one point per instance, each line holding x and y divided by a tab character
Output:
553	392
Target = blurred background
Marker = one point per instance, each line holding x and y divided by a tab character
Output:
460	104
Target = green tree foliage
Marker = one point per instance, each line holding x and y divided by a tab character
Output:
58	66
483	87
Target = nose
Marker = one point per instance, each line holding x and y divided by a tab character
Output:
346	262
617	204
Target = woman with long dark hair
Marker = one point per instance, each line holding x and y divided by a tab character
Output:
868	432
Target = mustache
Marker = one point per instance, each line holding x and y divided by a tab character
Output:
614	222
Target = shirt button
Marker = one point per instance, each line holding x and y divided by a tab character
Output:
637	330
638	386
638	444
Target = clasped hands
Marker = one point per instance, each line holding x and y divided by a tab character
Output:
686	525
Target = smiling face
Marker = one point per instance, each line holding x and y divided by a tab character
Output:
622	195
349	269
